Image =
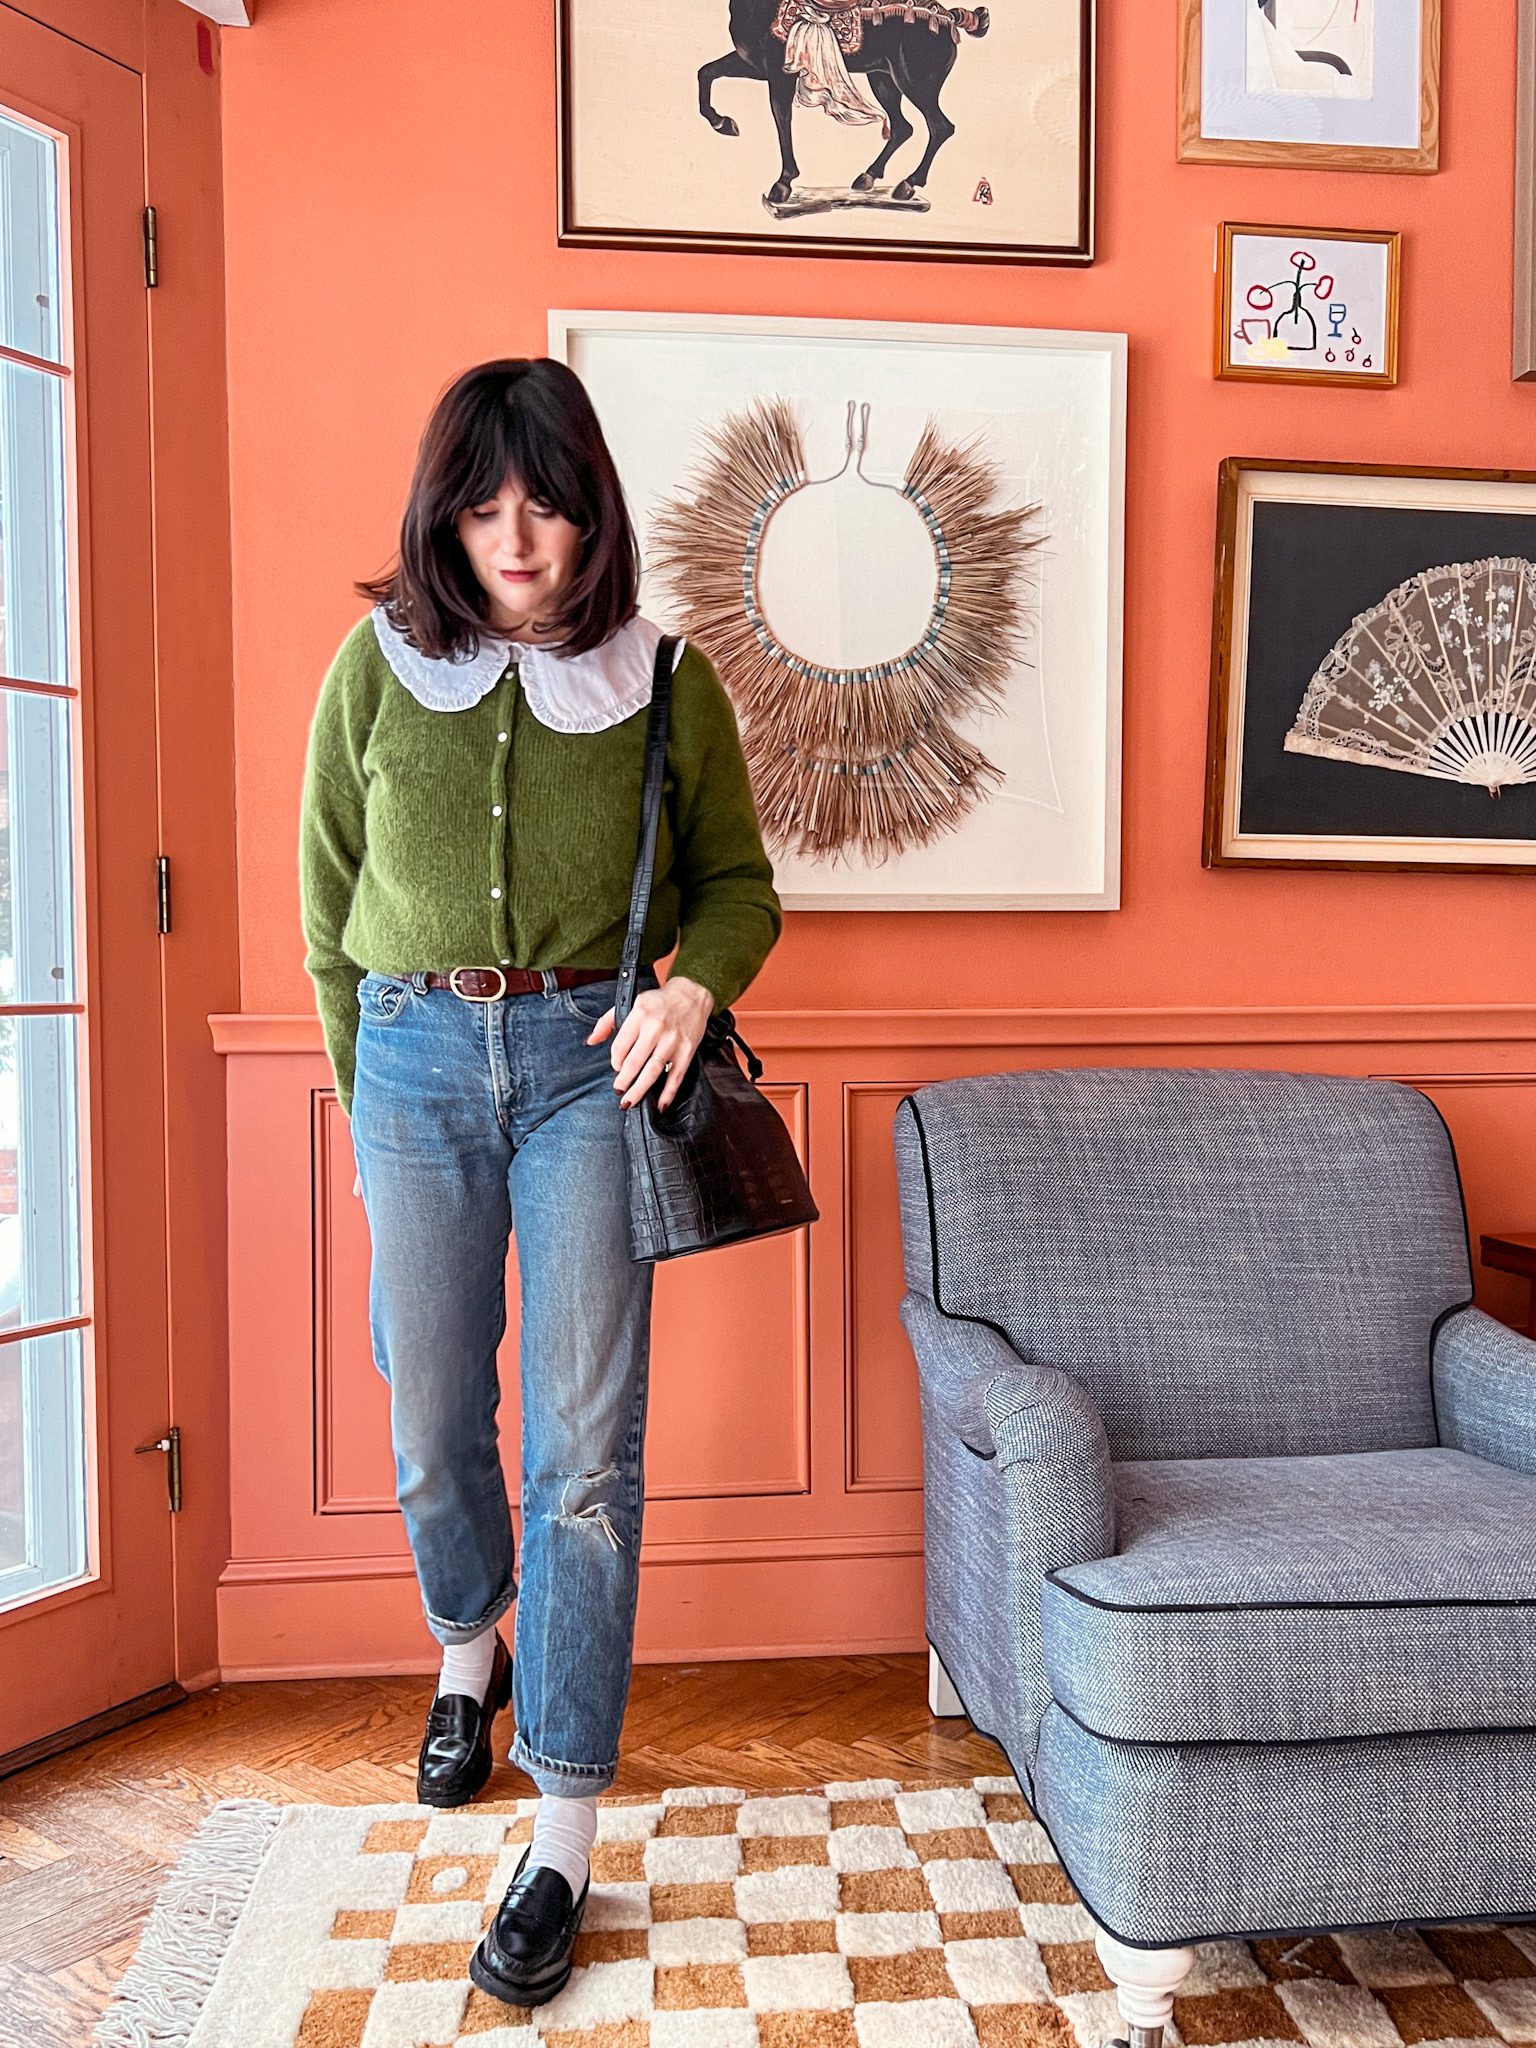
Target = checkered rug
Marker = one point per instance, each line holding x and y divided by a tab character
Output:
868	1915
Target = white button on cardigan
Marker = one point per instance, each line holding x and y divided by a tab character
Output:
567	693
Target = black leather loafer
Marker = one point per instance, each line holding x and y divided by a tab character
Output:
455	1758
524	1956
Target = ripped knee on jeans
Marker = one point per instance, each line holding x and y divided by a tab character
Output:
576	1511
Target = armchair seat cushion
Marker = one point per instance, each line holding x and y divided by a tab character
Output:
1302	1599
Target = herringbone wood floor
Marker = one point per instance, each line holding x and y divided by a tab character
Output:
86	1838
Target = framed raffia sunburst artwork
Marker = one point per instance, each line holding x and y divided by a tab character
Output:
901	546
1373	677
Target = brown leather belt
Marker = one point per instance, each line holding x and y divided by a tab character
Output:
489	984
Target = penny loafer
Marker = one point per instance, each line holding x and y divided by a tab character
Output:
455	1758
524	1956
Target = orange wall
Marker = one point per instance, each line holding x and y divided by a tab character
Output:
389	205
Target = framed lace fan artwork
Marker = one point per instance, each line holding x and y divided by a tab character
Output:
911	128
1373	675
901	546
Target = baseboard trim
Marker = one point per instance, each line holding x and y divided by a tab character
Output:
392	1564
325	1618
737	1653
79	1732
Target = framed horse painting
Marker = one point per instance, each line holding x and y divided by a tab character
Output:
906	128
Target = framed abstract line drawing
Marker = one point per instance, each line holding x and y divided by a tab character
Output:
1350	85
1307	306
908	128
902	548
1373	671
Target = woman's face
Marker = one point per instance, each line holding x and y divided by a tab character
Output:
522	552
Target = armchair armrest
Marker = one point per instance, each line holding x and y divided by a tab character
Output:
1024	1415
1046	1441
1485	1390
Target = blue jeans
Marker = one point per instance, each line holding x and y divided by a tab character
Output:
470	1119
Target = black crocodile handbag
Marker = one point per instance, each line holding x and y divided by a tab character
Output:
717	1165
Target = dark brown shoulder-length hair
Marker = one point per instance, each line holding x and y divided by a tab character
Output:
530	419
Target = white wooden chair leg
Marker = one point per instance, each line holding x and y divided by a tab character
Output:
1145	1980
943	1701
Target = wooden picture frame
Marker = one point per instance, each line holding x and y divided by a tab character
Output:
1311	559
1342	150
1011	181
1350	341
1525	197
1048	408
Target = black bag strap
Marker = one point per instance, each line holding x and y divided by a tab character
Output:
650	816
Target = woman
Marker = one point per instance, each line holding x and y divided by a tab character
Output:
470	815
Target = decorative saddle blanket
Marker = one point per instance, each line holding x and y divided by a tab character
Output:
846	18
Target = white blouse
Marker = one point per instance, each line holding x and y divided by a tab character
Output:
569	693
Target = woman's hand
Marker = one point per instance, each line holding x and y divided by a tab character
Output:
662	1031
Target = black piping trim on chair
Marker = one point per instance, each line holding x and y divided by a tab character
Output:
1466	1231
1454	1308
1260	1933
1275	1606
910	1102
1275	1741
1022	1778
949	1315
1025	1780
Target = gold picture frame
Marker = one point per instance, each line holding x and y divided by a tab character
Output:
1524	366
1310	557
1347	354
1295	152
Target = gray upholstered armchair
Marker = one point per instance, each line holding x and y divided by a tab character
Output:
1230	1510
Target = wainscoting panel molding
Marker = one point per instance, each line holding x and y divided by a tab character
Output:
784	1504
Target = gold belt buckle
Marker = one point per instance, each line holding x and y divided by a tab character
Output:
453	983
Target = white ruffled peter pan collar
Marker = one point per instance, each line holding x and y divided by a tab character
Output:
569	693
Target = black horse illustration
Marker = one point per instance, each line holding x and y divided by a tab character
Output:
907	50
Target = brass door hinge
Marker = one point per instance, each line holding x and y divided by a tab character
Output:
162	895
151	247
170	1443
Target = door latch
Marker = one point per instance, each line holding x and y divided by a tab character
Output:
171	1444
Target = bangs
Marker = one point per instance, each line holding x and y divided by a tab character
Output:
516	441
530	420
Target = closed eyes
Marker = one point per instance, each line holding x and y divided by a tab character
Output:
537	508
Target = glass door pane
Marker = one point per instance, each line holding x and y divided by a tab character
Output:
43	1322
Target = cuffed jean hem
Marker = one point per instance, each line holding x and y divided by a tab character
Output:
562	1781
468	1631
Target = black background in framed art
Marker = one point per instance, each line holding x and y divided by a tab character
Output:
1314	569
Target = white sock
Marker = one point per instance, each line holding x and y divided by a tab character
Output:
467	1667
563	1833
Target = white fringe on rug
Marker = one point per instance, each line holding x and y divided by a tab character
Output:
164	1988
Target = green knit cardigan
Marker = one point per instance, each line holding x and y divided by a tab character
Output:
481	837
